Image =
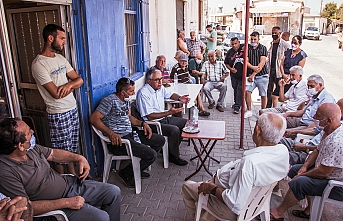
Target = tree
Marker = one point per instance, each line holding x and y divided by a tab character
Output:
330	11
340	12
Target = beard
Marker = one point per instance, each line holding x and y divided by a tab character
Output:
56	47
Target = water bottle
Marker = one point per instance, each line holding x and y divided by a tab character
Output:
195	117
176	79
136	137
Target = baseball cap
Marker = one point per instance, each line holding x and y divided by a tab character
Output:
183	57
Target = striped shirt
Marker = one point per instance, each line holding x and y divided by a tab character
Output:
116	114
254	56
182	74
194	46
214	71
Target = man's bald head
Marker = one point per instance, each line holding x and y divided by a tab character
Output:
178	54
272	127
329	110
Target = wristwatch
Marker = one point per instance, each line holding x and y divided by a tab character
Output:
213	191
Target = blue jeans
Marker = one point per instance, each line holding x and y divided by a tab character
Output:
261	82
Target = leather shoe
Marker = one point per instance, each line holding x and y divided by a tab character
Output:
177	161
145	175
211	106
129	181
220	108
204	113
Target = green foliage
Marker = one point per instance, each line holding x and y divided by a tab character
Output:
340	12
330	11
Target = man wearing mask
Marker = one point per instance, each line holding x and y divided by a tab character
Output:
302	118
275	53
194	67
234	62
194	45
113	118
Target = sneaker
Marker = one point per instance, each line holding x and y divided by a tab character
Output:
177	160
211	106
204	113
248	114
236	110
128	180
145	175
220	108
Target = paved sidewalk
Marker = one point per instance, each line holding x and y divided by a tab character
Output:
161	198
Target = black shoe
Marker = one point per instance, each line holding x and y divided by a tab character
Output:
177	161
128	180
236	110
145	175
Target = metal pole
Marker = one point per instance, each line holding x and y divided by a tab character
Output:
245	66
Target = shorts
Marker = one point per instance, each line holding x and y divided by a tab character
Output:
261	82
64	130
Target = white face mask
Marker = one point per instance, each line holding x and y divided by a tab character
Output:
316	124
127	99
198	61
32	143
312	92
294	47
253	44
294	81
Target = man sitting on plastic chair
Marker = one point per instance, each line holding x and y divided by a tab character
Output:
324	164
113	118
231	186
25	172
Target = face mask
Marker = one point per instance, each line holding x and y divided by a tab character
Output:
32	143
253	44
312	92
294	82
198	61
275	37
127	99
316	124
294	47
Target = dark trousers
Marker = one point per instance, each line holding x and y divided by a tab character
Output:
306	186
172	128
273	81
237	91
196	76
146	150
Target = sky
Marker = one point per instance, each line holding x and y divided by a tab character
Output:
228	5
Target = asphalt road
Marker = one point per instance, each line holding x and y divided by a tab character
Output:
324	58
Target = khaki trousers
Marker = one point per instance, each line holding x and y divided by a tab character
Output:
190	198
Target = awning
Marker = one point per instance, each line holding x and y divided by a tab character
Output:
272	9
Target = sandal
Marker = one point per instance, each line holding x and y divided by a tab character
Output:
300	214
204	113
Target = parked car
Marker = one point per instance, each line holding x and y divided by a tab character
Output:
312	33
227	45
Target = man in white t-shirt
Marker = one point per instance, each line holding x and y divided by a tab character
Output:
56	80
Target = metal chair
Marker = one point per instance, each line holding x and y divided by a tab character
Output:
58	214
257	203
110	157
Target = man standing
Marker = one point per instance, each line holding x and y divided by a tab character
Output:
113	118
296	95
229	189
275	54
234	62
150	103
161	65
324	163
215	72
302	118
194	45
47	190
212	39
257	72
56	80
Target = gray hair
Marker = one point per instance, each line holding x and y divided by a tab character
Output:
298	69
159	56
270	131
150	72
316	78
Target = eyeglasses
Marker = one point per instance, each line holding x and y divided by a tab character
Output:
157	79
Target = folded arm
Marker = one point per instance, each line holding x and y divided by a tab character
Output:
44	206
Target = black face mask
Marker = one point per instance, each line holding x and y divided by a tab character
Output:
275	37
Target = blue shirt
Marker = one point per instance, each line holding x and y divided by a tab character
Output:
150	100
311	108
116	114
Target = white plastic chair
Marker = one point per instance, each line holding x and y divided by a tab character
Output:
165	146
226	99
58	214
108	158
257	203
317	202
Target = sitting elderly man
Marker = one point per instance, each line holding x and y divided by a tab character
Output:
161	65
25	172
296	94
14	209
150	104
216	72
231	186
181	71
324	164
113	118
303	118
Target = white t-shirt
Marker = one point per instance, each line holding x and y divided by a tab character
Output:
47	69
296	94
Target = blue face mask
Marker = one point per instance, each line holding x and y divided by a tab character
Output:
32	143
253	44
